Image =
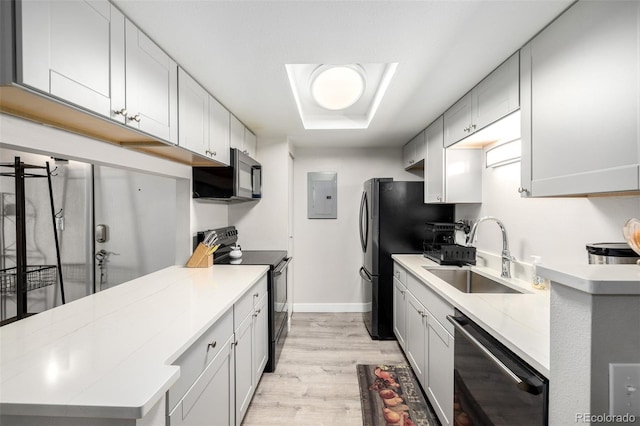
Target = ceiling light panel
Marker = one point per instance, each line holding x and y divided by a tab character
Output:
350	107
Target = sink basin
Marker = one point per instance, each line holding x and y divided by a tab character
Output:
467	281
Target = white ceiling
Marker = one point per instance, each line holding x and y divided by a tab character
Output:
238	51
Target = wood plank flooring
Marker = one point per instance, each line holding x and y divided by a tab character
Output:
315	381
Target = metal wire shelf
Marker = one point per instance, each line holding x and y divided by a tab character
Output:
36	276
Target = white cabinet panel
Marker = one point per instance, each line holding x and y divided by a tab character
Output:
151	78
218	131
250	143
244	366
237	133
497	95
193	103
71	49
399	311
434	182
581	118
416	343
440	371
414	151
210	400
261	334
457	121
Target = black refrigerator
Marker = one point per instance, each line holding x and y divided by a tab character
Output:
392	221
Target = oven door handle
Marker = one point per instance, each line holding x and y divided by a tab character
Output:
279	270
453	320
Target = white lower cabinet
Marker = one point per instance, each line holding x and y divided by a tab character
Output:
399	311
210	400
219	373
416	340
439	368
427	344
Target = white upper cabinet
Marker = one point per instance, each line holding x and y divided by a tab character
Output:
434	183
218	131
152	86
71	49
581	102
493	98
250	143
414	151
193	103
203	121
242	138
451	175
457	121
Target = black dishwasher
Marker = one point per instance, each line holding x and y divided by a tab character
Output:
492	385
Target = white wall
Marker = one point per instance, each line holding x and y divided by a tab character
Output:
328	253
555	228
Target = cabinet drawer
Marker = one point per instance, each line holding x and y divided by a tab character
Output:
249	300
194	360
400	273
438	307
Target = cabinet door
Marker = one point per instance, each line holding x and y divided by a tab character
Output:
71	49
415	340
434	163
399	311
457	121
261	339
408	153
440	371
210	400
237	133
244	366
250	143
151	79
218	131
581	129
497	95
463	175
193	103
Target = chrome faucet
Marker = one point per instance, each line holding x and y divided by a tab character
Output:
506	255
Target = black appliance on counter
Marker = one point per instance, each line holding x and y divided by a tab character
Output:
440	245
241	181
492	385
278	263
392	218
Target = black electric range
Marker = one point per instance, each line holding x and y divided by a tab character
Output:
278	262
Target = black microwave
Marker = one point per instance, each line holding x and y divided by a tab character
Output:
241	181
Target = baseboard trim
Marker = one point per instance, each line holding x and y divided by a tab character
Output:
331	307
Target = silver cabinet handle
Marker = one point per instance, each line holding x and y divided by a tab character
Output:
212	345
135	118
256	294
213	153
466	130
473	127
123	112
523	190
439	198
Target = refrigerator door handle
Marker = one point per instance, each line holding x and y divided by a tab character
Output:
365	276
364	231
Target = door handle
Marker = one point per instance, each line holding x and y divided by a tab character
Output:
365	275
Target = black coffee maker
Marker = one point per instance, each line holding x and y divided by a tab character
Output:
439	245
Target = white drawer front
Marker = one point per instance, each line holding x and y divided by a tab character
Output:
400	273
437	306
198	356
249	300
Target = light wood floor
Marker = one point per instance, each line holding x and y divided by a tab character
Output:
315	381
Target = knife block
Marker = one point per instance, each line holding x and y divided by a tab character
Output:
200	258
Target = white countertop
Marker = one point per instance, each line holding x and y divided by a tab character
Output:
110	354
595	279
519	321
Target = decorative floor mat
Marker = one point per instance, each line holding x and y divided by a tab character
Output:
390	396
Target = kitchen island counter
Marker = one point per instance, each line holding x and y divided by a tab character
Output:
519	321
109	355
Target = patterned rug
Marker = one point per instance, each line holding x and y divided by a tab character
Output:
391	396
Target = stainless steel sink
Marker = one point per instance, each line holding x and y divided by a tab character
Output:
467	281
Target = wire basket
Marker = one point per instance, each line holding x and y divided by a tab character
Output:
36	276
